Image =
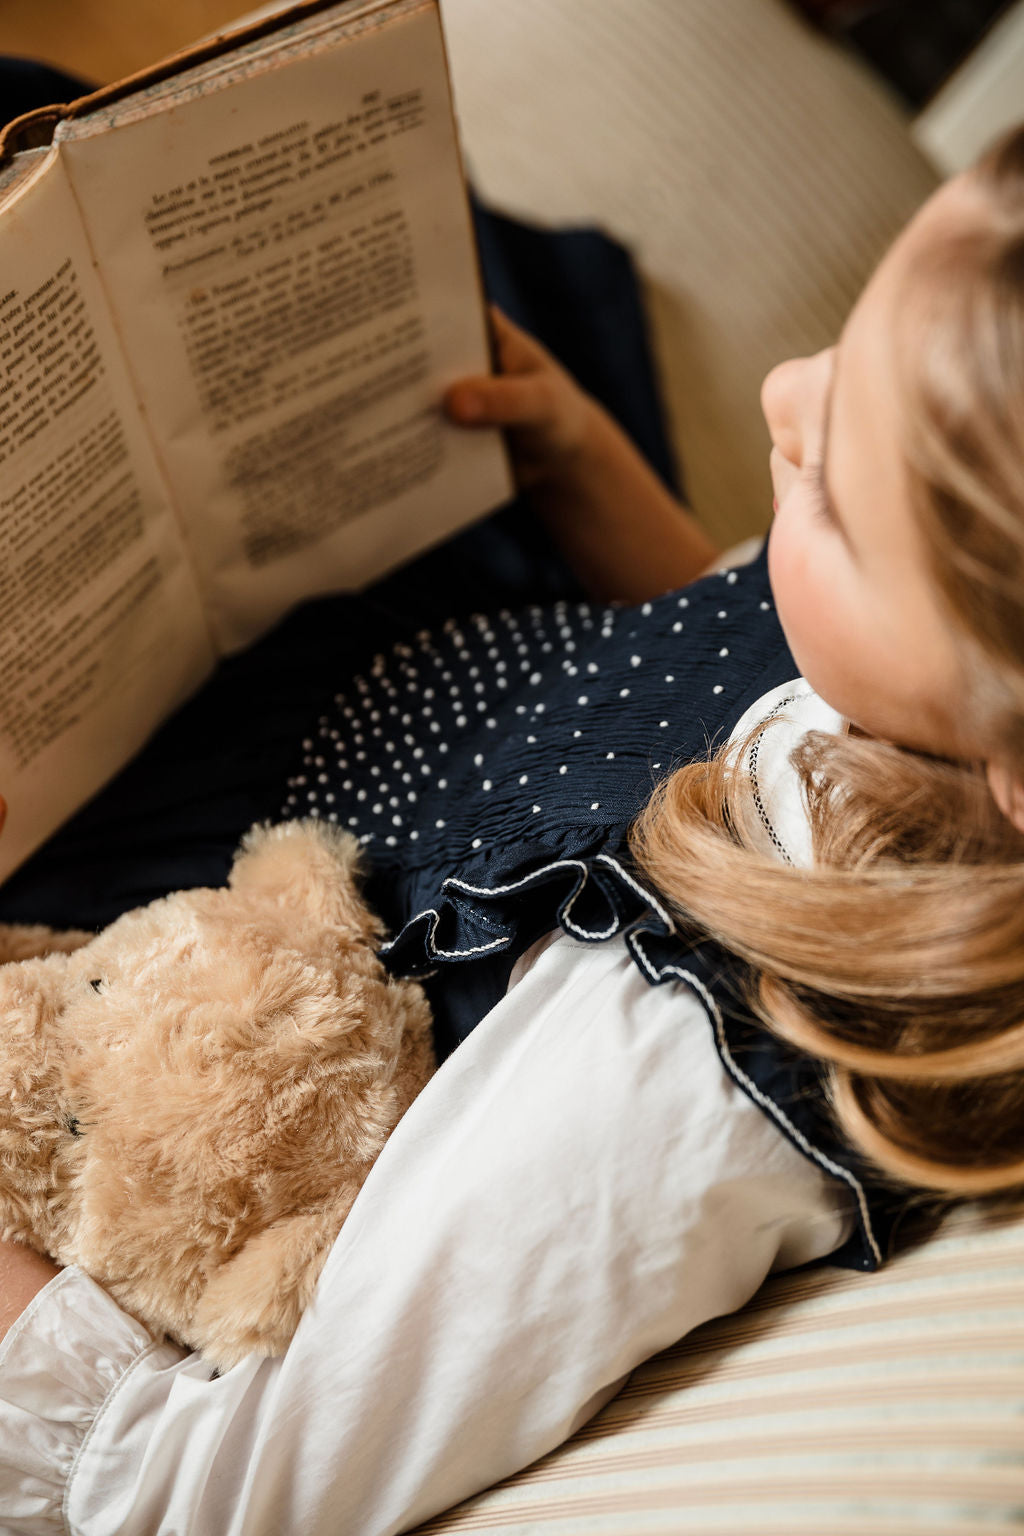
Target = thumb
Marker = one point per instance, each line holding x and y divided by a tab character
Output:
517	401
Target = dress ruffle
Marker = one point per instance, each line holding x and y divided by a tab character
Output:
587	890
591	894
492	771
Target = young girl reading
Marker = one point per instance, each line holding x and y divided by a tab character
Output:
718	1015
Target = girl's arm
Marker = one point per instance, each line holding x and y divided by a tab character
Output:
22	1275
622	531
578	1186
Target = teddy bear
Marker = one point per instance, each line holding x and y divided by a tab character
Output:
191	1100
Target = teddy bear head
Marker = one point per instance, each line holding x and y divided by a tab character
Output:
200	1073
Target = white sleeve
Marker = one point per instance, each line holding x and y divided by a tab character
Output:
578	1186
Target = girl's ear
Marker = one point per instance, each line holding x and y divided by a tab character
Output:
1008	792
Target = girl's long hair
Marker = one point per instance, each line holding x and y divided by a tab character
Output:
897	957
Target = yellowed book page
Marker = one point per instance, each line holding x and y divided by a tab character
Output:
290	252
101	630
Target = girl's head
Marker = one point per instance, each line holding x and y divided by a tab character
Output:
897	554
897	562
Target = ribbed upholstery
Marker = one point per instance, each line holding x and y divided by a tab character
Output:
832	1405
756	172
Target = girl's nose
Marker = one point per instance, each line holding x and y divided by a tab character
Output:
780	402
792	399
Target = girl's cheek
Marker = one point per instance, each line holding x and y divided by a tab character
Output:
785	473
794	583
780	560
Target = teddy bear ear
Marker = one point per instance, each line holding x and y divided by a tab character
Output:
310	866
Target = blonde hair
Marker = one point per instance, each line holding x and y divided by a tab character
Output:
897	958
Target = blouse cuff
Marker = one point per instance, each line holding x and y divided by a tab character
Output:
59	1363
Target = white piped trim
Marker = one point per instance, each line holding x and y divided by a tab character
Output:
516	885
452	882
751	765
443	954
645	895
752	1091
807	710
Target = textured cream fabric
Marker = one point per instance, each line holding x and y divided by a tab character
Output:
756	172
832	1405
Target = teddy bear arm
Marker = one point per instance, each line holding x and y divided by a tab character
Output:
253	1303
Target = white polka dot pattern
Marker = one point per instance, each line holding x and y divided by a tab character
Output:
486	718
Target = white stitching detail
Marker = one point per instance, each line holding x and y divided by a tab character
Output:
456	884
505	890
477	949
752	770
445	954
637	951
586	933
583	933
564	910
648	896
775	1110
453	882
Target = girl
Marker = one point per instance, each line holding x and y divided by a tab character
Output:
830	906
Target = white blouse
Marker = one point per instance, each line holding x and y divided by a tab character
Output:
579	1185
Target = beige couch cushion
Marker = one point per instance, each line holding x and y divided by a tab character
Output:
756	172
832	1405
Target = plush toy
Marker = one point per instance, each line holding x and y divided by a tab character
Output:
191	1100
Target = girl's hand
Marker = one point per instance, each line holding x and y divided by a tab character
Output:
619	527
548	416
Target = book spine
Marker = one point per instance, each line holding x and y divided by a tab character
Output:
35	130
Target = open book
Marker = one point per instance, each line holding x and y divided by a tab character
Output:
232	292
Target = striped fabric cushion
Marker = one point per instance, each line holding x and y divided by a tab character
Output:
833	1404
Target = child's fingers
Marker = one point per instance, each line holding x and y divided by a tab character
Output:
514	397
502	402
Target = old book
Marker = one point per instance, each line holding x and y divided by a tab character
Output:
232	292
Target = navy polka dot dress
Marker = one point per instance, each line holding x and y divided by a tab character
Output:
492	767
506	732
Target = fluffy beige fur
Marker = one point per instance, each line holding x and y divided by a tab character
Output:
193	1098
